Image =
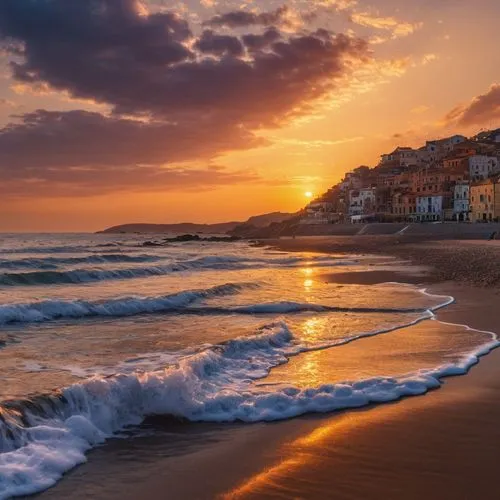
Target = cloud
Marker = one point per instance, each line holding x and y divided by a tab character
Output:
398	28
46	139
154	65
313	144
428	58
6	103
243	18
139	178
337	4
173	96
86	153
255	42
482	110
219	45
418	110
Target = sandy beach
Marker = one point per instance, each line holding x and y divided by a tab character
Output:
440	445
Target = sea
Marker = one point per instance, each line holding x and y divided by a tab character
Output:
100	333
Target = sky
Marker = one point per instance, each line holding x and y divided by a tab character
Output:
121	111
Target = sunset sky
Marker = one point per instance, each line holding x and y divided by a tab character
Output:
115	111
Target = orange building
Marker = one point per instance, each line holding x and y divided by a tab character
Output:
404	205
435	180
457	163
482	201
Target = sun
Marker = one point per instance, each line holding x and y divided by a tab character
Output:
308	194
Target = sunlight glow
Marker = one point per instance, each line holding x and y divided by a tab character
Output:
308	194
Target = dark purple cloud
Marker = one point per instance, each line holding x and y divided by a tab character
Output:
482	110
105	51
197	96
243	18
256	42
97	153
81	138
219	45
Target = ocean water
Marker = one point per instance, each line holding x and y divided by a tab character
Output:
98	332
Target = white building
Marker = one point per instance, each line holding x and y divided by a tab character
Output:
481	167
440	148
362	201
461	201
430	208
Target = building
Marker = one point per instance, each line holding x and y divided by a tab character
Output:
481	167
489	135
438	149
362	201
458	162
461	193
404	206
482	201
401	156
383	201
496	198
435	180
433	207
430	183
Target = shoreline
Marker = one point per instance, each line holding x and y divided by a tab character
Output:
441	444
475	262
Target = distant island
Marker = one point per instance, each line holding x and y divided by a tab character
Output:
256	222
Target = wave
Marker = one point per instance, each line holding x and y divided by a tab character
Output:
48	310
55	262
44	437
51	249
54	277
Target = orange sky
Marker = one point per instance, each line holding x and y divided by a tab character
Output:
255	146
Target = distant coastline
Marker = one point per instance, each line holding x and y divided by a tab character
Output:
255	222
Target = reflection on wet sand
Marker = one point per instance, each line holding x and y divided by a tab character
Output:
341	457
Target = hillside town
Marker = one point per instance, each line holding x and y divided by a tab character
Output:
451	179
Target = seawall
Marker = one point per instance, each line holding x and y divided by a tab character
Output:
465	231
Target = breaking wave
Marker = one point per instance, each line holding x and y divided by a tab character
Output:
48	310
44	437
73	276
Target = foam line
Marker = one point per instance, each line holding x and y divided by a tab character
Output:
45	437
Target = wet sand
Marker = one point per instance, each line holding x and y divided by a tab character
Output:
443	445
438	446
475	262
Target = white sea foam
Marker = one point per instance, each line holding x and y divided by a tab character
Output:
215	384
48	310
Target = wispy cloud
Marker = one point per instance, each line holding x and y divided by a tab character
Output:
312	144
397	27
418	110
